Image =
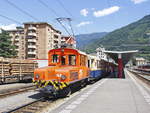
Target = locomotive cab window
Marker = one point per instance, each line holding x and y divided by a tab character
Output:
72	60
63	60
55	58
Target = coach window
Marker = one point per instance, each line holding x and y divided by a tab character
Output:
89	63
55	58
63	60
72	60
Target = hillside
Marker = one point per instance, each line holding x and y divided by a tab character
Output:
130	37
84	39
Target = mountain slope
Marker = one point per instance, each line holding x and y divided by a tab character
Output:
84	39
132	36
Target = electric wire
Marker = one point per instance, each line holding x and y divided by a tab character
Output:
69	13
71	29
59	20
52	10
21	10
55	13
8	18
62	5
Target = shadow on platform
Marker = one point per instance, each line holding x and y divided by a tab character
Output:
115	75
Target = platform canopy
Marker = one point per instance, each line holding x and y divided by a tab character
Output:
126	55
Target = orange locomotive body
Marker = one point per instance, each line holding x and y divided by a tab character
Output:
66	68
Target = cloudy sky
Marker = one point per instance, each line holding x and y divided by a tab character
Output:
87	15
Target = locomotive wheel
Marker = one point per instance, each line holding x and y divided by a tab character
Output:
83	83
68	91
64	93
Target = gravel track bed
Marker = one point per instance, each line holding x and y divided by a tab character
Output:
11	102
5	87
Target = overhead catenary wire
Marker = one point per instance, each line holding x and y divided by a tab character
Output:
52	10
59	20
8	18
21	10
71	29
69	13
62	5
55	13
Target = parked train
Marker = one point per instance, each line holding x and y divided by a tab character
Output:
68	68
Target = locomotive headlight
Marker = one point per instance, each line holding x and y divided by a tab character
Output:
37	76
63	77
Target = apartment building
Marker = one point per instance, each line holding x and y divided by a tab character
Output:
40	38
36	39
18	39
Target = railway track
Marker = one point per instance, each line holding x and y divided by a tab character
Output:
37	106
29	107
140	75
7	93
43	104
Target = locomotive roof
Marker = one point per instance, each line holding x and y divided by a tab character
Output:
80	52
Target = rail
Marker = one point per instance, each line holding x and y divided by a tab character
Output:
142	76
23	106
16	91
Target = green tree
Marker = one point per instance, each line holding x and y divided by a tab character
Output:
7	50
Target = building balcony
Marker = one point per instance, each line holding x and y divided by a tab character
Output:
32	46
56	39
17	34
16	39
32	52
31	40
31	34
16	44
31	28
17	49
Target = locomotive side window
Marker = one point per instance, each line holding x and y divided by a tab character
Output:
72	60
63	60
82	60
55	58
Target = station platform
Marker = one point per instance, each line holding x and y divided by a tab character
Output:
110	95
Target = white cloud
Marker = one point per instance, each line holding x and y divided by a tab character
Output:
8	27
84	23
84	12
105	12
92	9
138	1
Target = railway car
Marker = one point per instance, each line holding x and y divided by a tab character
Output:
66	68
16	70
96	66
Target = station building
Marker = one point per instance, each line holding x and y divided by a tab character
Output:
140	61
